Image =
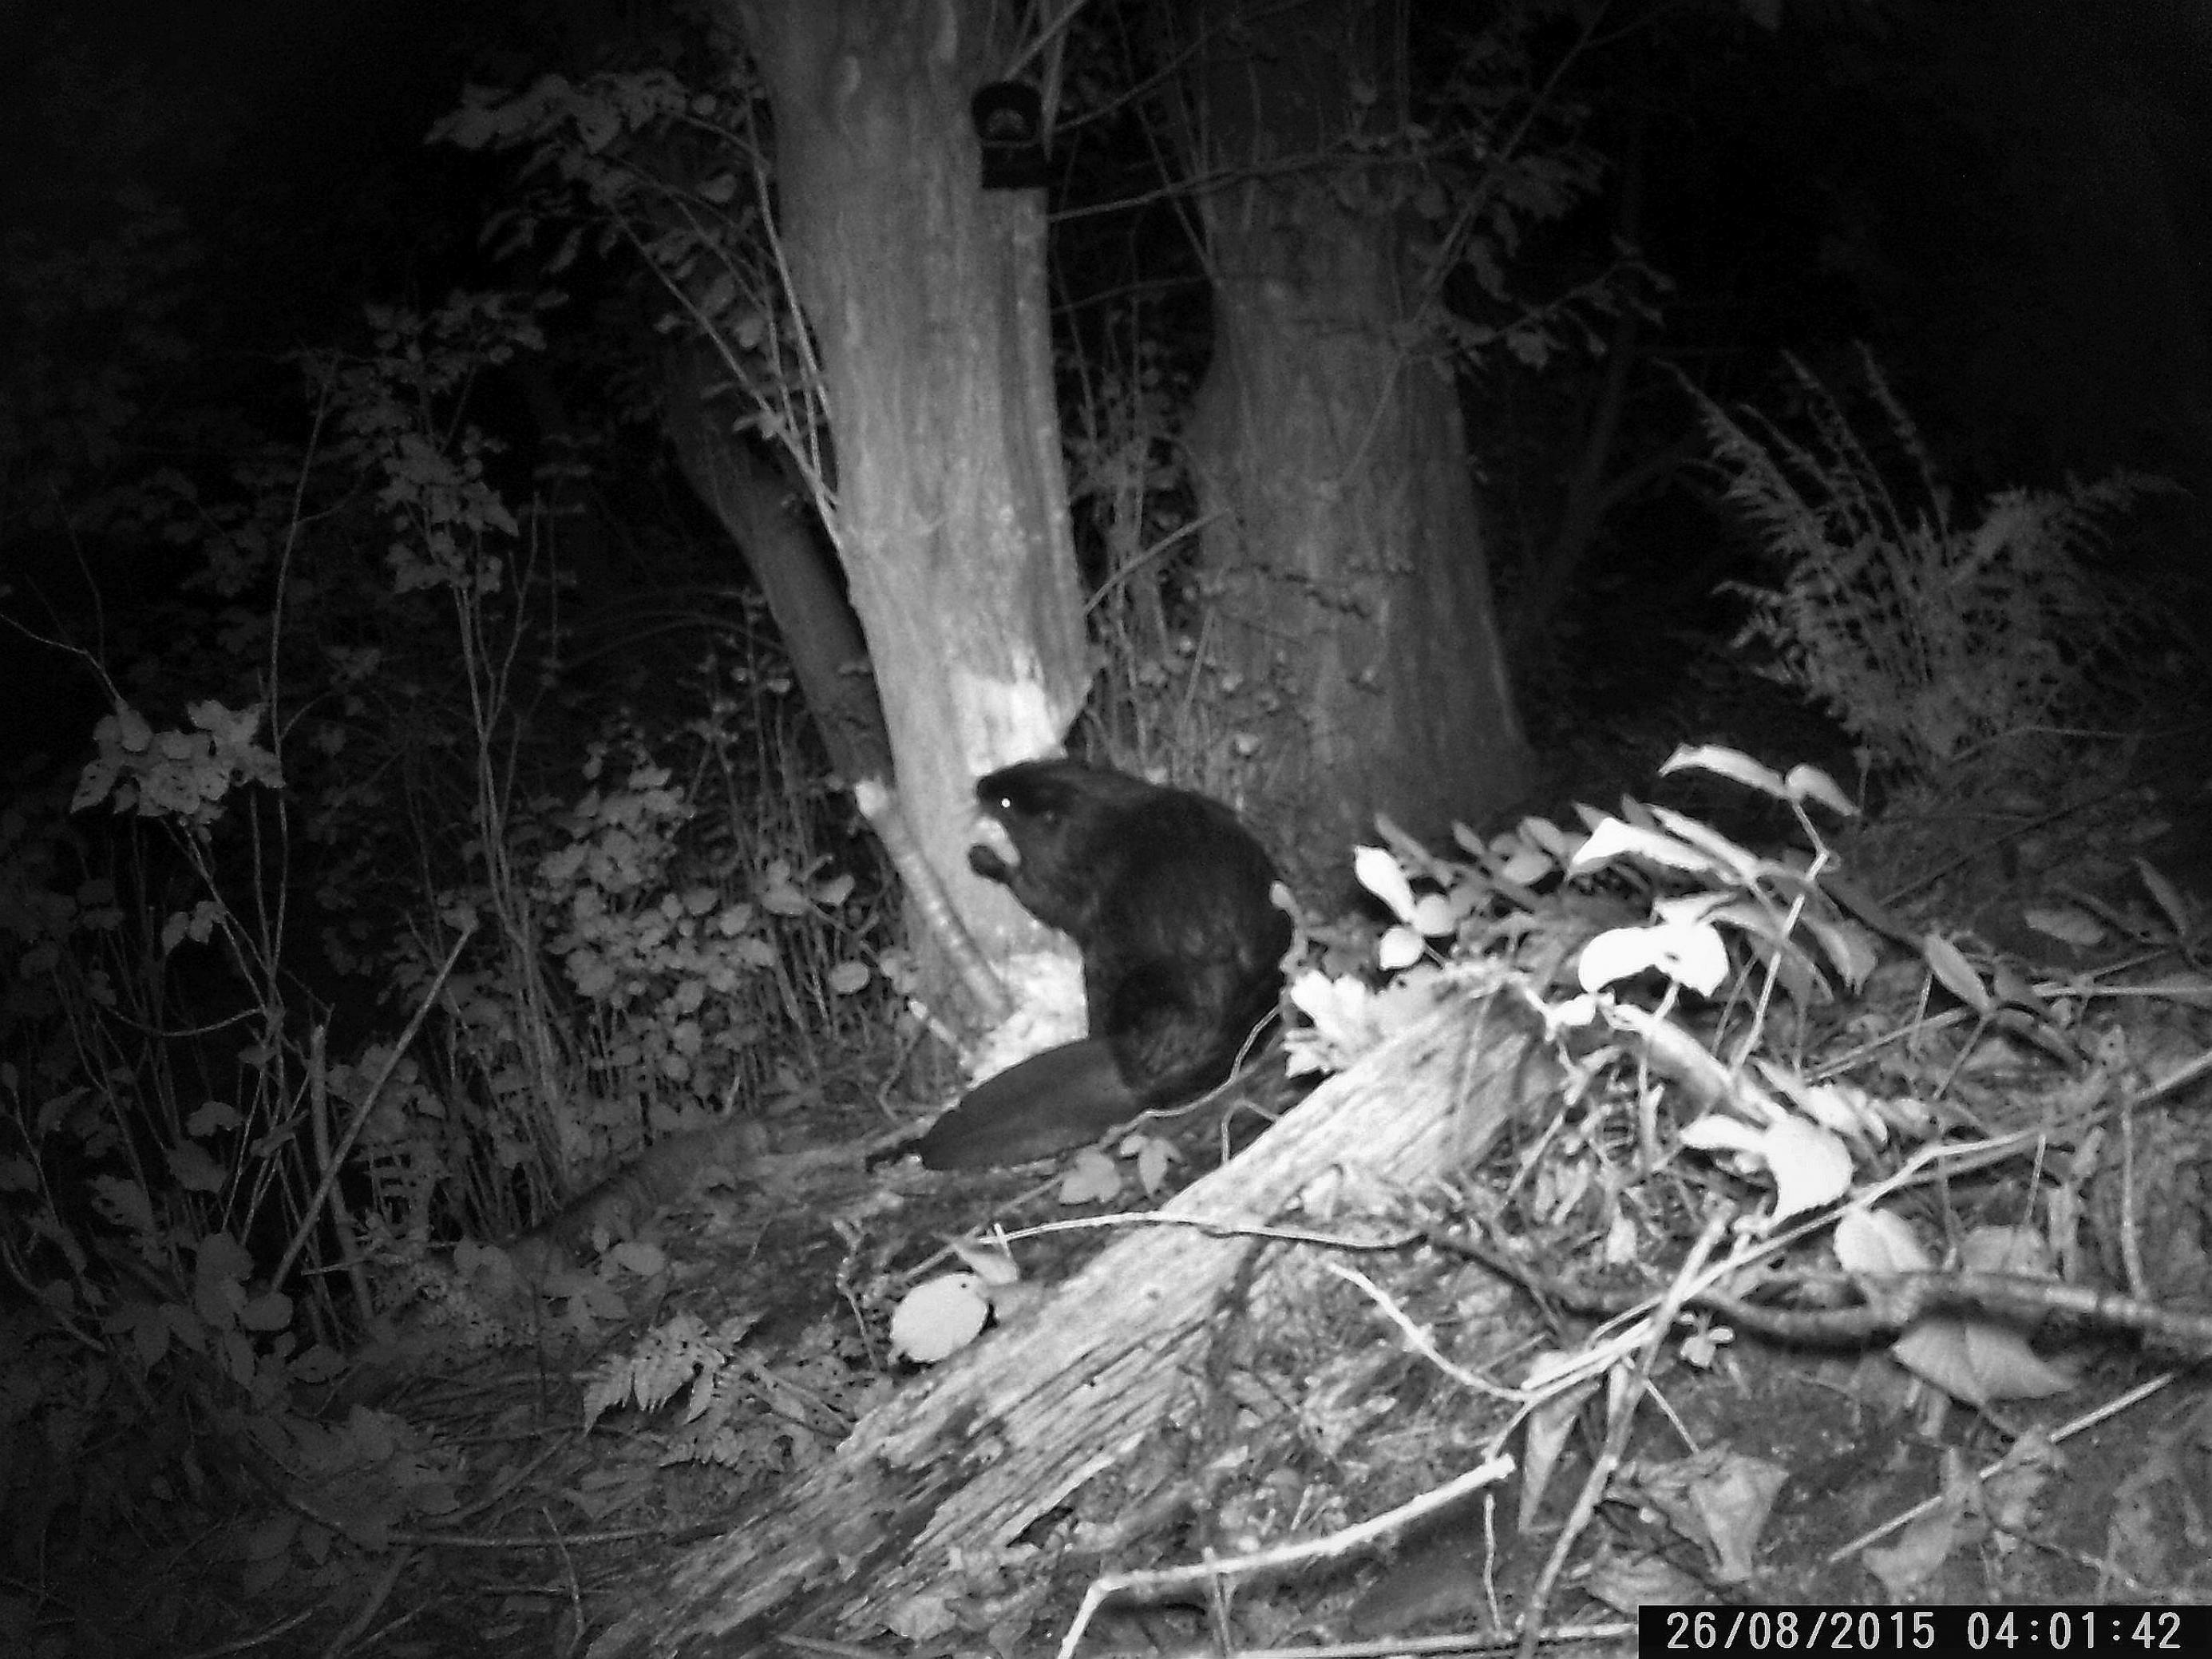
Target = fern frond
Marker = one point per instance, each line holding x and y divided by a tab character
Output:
1923	637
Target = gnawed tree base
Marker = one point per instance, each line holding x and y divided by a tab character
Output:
971	1457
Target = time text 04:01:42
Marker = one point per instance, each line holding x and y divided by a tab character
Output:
2015	1632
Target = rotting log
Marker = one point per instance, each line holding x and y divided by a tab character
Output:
1003	1432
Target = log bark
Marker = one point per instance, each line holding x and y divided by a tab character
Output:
973	1454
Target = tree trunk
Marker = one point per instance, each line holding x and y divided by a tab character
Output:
756	504
1354	579
925	300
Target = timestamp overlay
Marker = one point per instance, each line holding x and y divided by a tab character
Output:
2000	1631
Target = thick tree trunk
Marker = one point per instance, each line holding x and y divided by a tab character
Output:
925	300
1352	576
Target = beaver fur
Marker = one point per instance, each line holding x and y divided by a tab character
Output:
1167	897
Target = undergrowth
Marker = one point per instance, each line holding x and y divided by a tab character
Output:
366	929
1930	635
1746	1144
1729	1138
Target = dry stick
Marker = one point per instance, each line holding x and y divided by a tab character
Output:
1972	1156
1682	1290
2130	1238
2010	832
1282	1555
318	1122
1616	1438
2087	986
1217	1227
1212	1573
2110	1408
1418	1338
569	1581
285	1625
379	1593
1696	1286
360	1113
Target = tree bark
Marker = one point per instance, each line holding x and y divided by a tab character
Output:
925	300
1352	577
754	503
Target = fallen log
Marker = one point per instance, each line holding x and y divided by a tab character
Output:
971	1455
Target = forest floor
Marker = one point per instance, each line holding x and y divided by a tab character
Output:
1756	1473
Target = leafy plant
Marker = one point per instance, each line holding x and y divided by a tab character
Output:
1497	152
1684	994
601	927
678	175
1928	637
1647	891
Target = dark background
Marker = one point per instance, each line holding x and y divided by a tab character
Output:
2008	201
